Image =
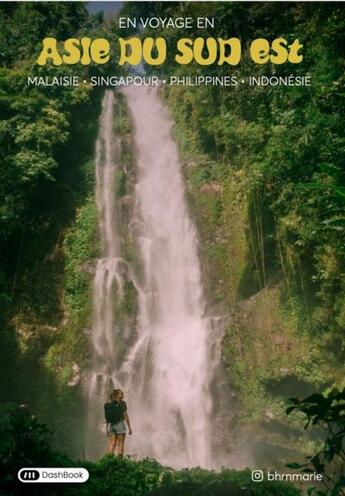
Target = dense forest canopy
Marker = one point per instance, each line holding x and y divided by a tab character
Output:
46	140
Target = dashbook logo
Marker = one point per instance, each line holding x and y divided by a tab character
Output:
27	474
53	474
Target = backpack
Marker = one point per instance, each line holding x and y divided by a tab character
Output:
113	412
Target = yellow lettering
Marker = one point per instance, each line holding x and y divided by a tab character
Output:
73	52
186	52
85	45
294	56
161	50
135	51
282	52
279	47
211	45
234	57
259	51
99	51
49	51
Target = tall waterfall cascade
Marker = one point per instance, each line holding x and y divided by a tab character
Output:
167	370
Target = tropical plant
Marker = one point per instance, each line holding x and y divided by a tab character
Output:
328	412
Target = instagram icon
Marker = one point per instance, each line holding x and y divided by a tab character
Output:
257	476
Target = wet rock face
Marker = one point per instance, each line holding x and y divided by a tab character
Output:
75	378
201	489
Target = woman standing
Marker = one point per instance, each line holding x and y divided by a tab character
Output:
116	417
109	417
120	427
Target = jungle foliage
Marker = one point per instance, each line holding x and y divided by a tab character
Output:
47	221
26	442
328	412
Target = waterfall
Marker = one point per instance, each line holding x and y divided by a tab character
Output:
167	370
107	281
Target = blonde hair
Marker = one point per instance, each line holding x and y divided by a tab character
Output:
115	393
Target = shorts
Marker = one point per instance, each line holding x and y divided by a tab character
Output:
118	428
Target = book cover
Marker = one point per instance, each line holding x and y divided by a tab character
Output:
172	248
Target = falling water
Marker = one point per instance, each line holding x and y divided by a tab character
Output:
167	370
107	279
